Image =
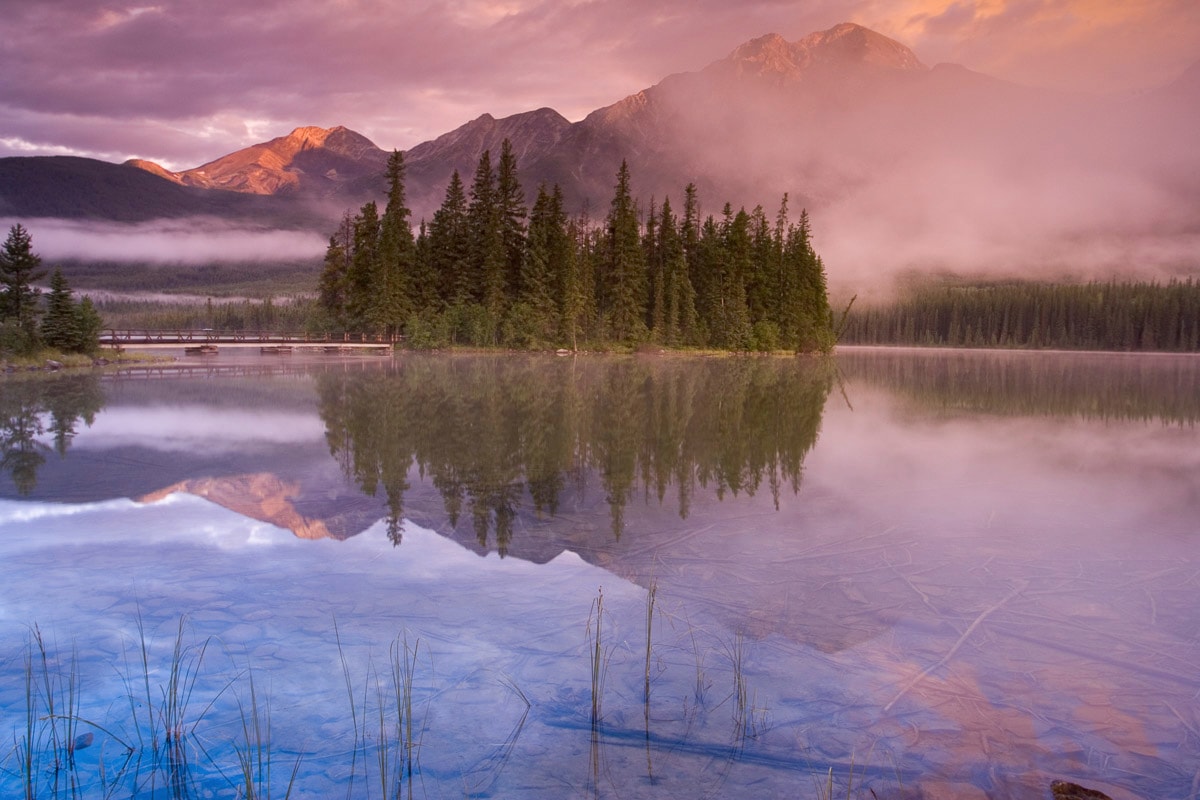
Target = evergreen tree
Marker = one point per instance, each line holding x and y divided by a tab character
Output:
656	314
424	284
578	285
362	279
541	281
397	258
734	313
487	243
88	326
679	298
60	323
450	247
761	290
624	266
333	286
805	322
18	271
695	257
510	202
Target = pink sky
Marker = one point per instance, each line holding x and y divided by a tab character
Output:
185	81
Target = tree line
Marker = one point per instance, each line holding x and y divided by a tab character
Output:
1099	315
27	324
488	270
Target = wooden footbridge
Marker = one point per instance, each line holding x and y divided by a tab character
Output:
210	341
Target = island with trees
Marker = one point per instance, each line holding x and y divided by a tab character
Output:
489	271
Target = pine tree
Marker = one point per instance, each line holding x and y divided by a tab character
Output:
578	289
88	325
804	302
656	313
510	206
734	313
397	260
624	266
450	247
333	287
18	271
541	267
487	244
679	298
60	323
363	276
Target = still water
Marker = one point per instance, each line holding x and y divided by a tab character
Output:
903	574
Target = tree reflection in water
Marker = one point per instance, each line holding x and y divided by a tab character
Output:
34	408
491	433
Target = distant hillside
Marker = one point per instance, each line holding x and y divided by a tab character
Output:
85	188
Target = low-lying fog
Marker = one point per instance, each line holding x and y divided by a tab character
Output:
190	241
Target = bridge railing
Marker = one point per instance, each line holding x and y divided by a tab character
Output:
121	337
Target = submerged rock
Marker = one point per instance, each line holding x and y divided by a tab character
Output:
1063	790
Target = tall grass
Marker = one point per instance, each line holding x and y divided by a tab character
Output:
254	751
599	662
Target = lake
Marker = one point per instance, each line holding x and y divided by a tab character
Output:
896	574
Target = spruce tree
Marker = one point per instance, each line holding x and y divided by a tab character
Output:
540	275
450	247
88	326
363	277
510	203
397	258
624	266
18	271
578	287
679	298
60	323
734	314
487	244
333	288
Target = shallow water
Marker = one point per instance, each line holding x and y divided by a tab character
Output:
917	571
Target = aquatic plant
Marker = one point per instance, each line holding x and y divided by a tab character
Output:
254	752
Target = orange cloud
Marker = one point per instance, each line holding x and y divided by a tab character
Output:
1088	45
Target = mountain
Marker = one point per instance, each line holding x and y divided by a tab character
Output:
310	160
85	188
533	135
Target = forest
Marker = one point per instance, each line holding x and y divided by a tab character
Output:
1108	315
487	270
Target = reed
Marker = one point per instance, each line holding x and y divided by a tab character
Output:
598	660
359	739
404	667
254	752
650	597
30	740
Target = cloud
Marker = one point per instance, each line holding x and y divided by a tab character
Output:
175	241
180	82
1078	45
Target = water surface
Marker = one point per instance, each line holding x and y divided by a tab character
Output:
971	573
